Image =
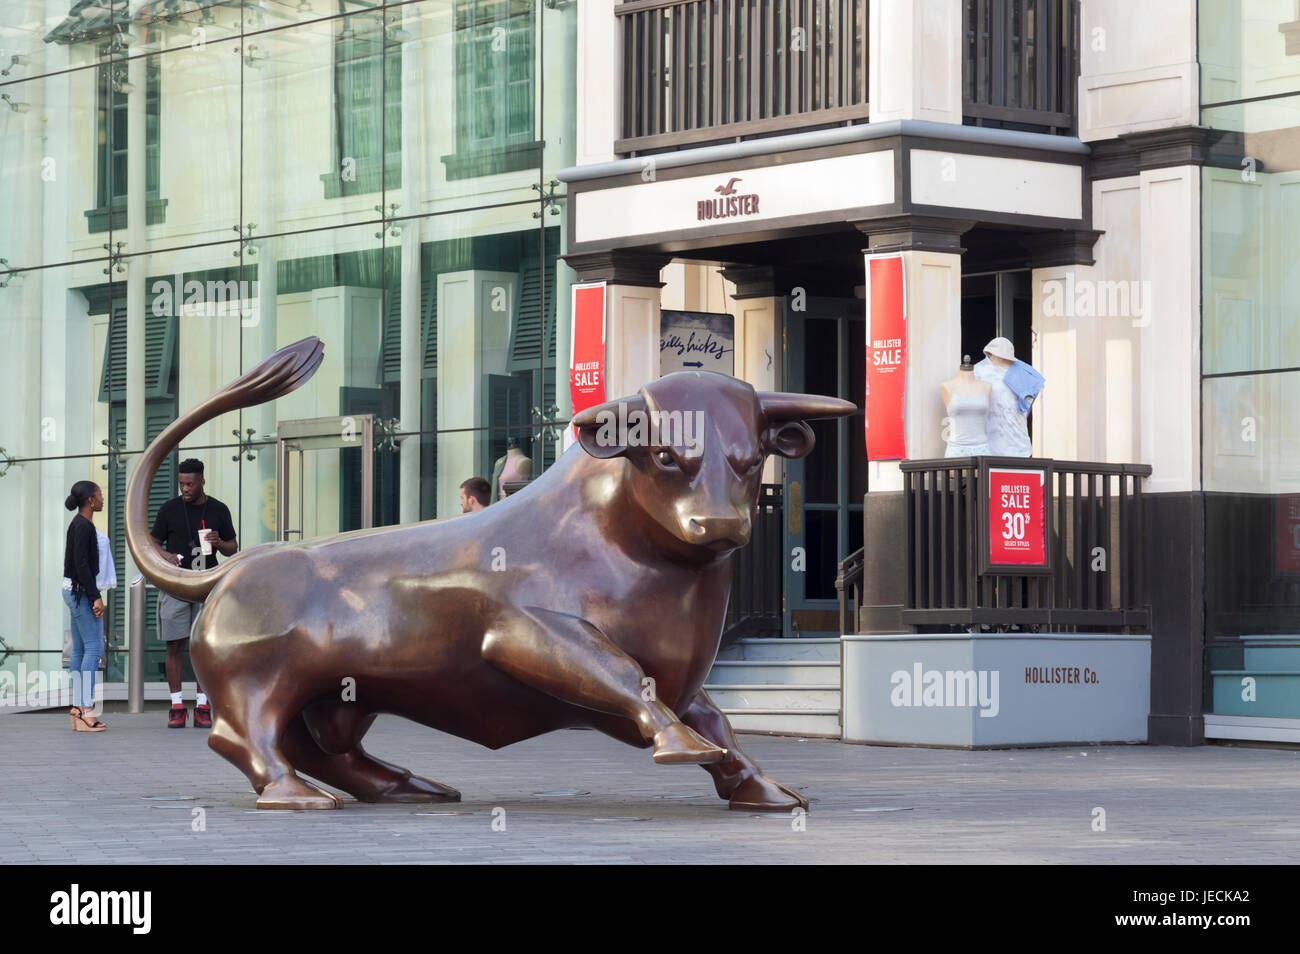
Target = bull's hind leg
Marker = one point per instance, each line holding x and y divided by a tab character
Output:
247	727
325	743
737	778
570	659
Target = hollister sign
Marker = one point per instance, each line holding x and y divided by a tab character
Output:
729	206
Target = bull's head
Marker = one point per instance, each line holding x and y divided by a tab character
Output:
694	444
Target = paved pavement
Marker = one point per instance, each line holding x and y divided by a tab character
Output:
130	794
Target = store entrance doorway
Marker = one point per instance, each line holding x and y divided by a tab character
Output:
824	348
310	486
997	304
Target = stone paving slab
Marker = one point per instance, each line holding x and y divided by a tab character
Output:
69	797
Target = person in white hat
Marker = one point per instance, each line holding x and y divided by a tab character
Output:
1008	424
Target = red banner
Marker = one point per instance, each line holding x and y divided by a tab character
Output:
1288	533
886	357
587	347
1017	511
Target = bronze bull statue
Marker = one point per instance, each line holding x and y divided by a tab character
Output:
595	597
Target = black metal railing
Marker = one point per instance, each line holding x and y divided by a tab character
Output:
1096	578
754	607
1020	64
849	585
708	70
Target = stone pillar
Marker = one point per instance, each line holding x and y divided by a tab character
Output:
931	253
599	81
411	361
1138	67
475	312
632	308
136	277
915	57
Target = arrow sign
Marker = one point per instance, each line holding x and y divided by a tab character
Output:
693	364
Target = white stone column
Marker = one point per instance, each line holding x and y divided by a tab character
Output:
411	360
1138	67
600	83
932	282
631	339
632	312
914	60
136	277
1171	338
475	311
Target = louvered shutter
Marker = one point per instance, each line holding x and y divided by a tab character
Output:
159	413
159	354
507	415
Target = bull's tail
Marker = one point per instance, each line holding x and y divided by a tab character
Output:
279	374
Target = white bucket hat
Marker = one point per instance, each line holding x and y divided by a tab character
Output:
1001	348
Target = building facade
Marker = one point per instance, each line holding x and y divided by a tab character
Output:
190	185
1106	184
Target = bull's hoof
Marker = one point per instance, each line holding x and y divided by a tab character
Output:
292	794
413	788
760	793
680	744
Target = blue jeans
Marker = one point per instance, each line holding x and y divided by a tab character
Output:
87	647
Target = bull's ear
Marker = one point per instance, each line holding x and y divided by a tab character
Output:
791	439
602	429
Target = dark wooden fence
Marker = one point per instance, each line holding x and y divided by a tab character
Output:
1096	581
708	70
754	608
1020	64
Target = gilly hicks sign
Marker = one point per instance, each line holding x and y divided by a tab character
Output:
730	205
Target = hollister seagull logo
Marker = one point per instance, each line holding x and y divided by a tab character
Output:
725	208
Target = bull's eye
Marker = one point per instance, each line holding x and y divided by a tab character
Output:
666	459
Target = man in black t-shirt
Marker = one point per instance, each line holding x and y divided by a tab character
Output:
185	526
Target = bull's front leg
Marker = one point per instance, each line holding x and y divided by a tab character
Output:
737	777
569	658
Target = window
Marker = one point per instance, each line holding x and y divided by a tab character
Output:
367	110
494	89
110	147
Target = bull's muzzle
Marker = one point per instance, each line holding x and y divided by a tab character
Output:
718	533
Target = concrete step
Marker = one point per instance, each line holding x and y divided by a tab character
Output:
1276	693
811	722
786	649
774	672
775	697
1271	658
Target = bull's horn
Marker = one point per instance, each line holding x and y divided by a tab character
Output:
788	406
591	416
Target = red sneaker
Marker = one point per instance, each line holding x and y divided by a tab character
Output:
203	717
177	717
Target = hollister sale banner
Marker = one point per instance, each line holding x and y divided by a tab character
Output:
587	347
886	357
1288	533
1017	517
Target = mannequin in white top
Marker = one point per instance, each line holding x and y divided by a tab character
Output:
967	401
1008	426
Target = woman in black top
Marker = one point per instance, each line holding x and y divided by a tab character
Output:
80	567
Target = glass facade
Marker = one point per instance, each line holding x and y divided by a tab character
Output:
185	187
1250	267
